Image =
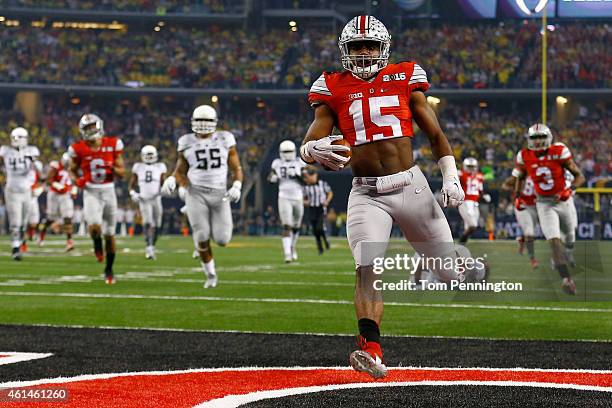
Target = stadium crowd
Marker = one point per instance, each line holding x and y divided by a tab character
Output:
164	6
455	56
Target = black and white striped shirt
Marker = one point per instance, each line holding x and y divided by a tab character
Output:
316	193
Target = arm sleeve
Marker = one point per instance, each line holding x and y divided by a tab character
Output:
71	152
230	140
418	79
34	152
516	172
119	146
163	168
135	168
519	160
319	92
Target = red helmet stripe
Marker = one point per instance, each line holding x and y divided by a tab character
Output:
362	24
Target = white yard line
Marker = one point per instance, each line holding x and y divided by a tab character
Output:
304	300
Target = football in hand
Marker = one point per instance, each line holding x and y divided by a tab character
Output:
343	142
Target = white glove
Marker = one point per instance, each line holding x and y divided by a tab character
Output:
134	196
233	194
57	185
322	151
273	177
37	191
182	192
486	198
452	193
74	191
169	186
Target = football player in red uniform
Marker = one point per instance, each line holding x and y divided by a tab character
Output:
99	158
526	215
545	162
60	198
472	182
373	104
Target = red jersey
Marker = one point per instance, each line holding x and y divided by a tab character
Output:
546	170
472	184
97	165
527	195
61	176
371	111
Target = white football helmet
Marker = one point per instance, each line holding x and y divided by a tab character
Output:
204	119
65	159
19	137
539	137
470	164
287	150
91	126
364	28
148	154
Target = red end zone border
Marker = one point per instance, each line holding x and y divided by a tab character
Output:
231	387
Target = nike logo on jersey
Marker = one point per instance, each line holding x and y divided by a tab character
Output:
418	190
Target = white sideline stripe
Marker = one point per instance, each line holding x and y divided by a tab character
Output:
409	336
106	376
232	401
16	356
319	301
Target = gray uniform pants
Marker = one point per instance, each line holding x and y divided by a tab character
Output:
18	211
210	215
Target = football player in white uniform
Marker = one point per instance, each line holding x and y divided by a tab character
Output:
149	175
34	213
287	171
18	161
200	177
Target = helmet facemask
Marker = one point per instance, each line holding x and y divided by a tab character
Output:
540	141
364	66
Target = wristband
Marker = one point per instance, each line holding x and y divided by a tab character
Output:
448	167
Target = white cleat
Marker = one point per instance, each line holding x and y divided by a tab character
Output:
195	255
363	362
294	256
150	253
288	258
211	282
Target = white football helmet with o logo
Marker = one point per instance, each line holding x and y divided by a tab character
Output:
539	137
91	126
204	120
364	28
148	154
19	137
287	150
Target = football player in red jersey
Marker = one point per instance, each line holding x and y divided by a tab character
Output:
526	215
472	182
373	103
545	162
99	158
60	198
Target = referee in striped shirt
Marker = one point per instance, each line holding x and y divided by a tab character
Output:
317	196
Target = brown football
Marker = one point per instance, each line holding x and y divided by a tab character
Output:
346	143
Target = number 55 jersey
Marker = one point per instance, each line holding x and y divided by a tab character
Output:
368	111
97	163
207	158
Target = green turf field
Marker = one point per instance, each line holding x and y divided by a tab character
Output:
257	292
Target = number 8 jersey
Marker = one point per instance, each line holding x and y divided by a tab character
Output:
370	111
546	170
207	158
97	164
